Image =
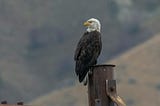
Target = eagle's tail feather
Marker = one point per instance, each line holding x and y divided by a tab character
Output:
81	70
83	75
85	81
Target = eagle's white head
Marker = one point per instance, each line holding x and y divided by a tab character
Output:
93	25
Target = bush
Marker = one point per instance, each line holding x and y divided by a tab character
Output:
132	81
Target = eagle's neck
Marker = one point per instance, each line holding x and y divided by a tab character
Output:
91	29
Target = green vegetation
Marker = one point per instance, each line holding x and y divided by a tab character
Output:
158	87
131	81
130	102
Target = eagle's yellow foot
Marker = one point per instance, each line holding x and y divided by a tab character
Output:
90	72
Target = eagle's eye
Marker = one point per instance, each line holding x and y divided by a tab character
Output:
90	21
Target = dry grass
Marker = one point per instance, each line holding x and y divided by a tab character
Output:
137	74
72	96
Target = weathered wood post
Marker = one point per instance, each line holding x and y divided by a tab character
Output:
97	85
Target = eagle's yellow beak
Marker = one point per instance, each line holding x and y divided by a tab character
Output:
86	23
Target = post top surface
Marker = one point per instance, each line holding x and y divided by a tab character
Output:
104	65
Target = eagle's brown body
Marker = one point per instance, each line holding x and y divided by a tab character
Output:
87	52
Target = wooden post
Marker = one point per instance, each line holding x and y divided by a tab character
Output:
97	85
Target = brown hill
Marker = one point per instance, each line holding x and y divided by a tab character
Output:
71	96
137	73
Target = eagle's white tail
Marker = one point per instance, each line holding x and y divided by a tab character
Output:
85	81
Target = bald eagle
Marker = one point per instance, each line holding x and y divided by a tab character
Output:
88	48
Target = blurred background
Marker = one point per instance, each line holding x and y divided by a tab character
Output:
38	39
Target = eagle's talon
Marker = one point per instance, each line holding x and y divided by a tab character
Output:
90	72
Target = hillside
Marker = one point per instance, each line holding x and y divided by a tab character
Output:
38	38
69	96
137	73
140	66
